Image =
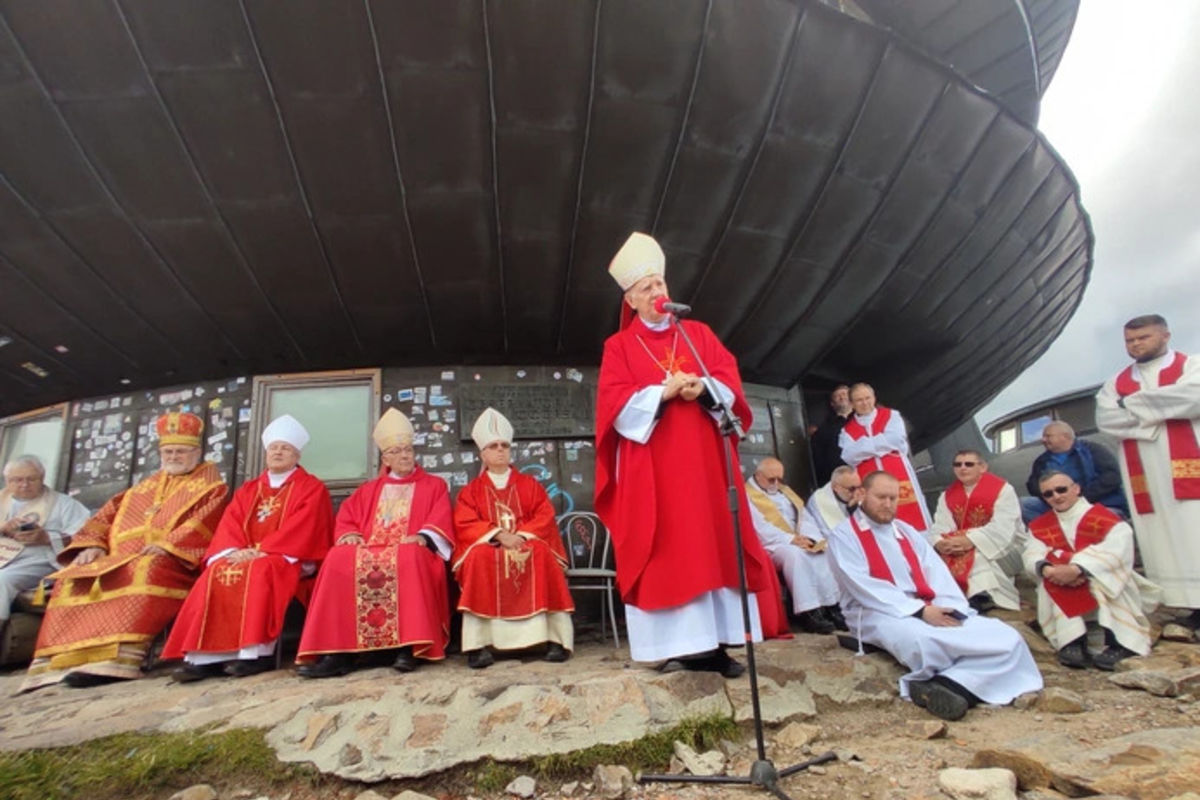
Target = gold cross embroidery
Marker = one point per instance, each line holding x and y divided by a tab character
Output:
505	518
230	575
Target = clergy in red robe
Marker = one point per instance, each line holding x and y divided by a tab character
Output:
274	532
509	558
128	570
382	587
661	483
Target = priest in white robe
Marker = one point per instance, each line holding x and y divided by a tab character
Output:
978	532
898	595
1082	557
1153	406
874	438
777	510
830	505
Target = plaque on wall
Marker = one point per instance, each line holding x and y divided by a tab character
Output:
561	410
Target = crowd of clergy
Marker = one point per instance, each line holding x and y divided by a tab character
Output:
863	555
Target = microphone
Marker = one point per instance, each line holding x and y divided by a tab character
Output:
663	305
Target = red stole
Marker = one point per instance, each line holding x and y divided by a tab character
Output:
908	509
1093	527
878	567
970	511
1181	443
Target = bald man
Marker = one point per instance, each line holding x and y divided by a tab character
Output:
1090	465
777	512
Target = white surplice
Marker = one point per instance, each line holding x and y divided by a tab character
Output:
893	439
807	574
998	546
983	655
1168	538
1124	597
823	512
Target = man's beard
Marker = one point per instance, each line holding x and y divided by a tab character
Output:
1149	358
179	469
873	518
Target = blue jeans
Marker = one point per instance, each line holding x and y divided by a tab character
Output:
1032	508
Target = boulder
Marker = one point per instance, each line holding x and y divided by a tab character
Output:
523	786
1056	700
710	763
612	780
978	784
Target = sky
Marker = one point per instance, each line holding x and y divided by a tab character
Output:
1123	110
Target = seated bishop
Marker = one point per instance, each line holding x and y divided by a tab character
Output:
382	587
509	560
273	534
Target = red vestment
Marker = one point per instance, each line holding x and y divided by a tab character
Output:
665	501
239	605
970	511
390	591
1093	527
499	583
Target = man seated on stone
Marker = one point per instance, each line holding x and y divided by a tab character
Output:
900	596
976	527
830	505
130	566
509	559
382	586
1082	555
777	511
36	523
276	529
1090	465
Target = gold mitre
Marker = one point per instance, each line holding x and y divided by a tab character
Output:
491	427
638	258
392	430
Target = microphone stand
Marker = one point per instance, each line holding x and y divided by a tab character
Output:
762	772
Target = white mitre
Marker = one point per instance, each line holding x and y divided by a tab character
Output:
638	258
491	427
285	429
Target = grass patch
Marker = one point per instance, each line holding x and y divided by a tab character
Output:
132	764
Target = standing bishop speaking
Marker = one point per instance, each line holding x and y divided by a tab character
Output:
275	530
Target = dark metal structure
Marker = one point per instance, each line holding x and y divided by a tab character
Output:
200	188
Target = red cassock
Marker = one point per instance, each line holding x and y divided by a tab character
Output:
240	605
499	583
667	509
389	592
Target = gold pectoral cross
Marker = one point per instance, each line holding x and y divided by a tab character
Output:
505	518
267	507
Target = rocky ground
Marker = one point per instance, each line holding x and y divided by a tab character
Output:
1085	735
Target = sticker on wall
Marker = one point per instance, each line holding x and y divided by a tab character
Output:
460	478
575	375
404	396
447	374
429	462
243	415
419	395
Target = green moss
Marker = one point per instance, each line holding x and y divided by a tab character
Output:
131	764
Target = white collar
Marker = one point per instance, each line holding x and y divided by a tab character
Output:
661	325
1155	365
278	479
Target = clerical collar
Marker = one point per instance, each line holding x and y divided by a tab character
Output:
1154	366
276	479
499	481
1075	512
661	325
868	419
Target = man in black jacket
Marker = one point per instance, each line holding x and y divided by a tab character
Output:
826	452
1090	465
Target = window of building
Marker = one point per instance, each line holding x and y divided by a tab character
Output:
1031	429
1006	439
339	410
38	433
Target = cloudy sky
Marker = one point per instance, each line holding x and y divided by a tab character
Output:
1123	112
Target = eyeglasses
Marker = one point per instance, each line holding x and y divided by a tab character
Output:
1056	490
772	480
965	463
398	451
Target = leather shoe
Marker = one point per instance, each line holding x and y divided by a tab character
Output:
480	659
190	673
939	700
556	653
327	666
723	663
1074	654
1108	658
834	614
814	621
82	680
249	666
672	665
405	660
982	602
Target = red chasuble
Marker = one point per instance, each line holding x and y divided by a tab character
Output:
501	583
240	605
389	592
1182	446
970	511
909	509
665	501
1093	527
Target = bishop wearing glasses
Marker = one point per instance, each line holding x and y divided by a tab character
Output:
977	529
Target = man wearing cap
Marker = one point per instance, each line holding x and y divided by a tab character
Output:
275	530
382	586
509	559
130	567
661	482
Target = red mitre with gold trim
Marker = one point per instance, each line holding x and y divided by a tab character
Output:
179	428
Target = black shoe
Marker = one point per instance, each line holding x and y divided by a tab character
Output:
405	660
982	602
82	680
1074	654
556	653
327	666
1108	658
672	665
725	664
190	673
480	659
813	621
245	667
938	700
834	614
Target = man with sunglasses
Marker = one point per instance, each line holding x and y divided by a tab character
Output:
976	525
1082	556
